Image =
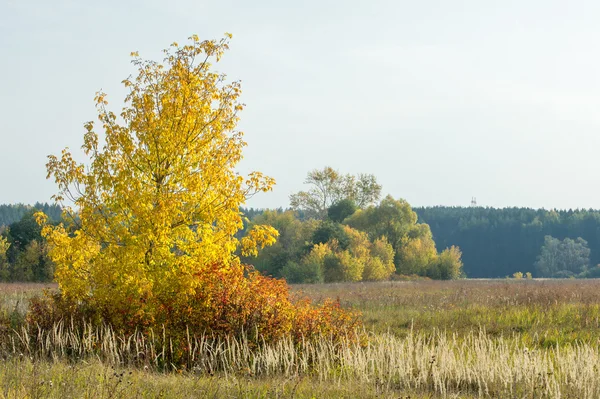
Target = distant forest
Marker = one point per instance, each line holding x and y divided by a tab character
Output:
500	242
495	243
13	213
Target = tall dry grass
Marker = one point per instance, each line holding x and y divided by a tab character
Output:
488	339
542	312
440	364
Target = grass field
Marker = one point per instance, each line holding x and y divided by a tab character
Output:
462	339
538	312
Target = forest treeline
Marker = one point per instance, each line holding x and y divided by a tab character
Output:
328	237
23	251
11	213
499	242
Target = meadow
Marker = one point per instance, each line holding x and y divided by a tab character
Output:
422	339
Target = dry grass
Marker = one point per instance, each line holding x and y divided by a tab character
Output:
489	293
438	364
14	297
466	339
540	312
27	379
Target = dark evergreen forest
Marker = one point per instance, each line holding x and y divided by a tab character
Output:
494	242
14	212
500	242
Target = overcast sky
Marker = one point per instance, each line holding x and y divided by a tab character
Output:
441	100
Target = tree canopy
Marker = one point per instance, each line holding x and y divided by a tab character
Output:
328	187
351	244
562	258
158	203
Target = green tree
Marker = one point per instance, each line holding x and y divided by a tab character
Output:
27	257
21	233
307	273
448	265
328	231
562	258
391	219
294	240
341	210
328	186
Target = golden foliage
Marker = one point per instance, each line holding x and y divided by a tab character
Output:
158	203
150	240
361	260
4	245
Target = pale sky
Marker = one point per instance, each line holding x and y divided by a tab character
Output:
441	100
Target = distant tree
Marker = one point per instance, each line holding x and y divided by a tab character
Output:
391	218
416	255
497	242
448	265
363	189
380	262
518	275
328	231
412	242
360	259
21	233
592	272
11	213
315	260
294	239
328	187
308	273
341	210
562	258
25	255
4	265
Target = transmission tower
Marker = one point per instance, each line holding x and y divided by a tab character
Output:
473	201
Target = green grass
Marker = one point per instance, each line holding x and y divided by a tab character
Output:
26	379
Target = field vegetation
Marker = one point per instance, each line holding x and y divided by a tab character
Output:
539	313
422	339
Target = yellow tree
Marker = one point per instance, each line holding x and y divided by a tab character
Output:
4	267
157	205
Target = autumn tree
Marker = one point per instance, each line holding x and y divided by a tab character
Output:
416	254
157	204
359	259
4	266
412	242
328	186
151	220
448	265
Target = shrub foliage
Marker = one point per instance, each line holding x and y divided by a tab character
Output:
150	239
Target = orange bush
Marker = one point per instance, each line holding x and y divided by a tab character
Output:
228	302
